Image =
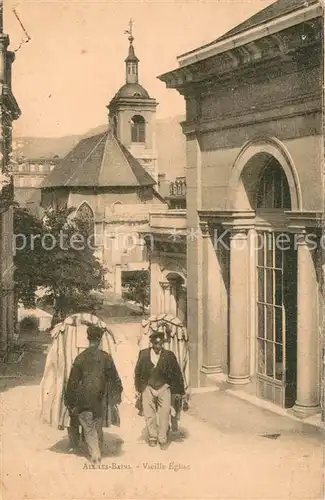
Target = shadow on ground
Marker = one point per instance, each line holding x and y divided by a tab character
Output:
113	446
173	437
231	415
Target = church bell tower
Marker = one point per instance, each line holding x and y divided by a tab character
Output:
132	114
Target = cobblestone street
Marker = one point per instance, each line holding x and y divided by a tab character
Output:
247	453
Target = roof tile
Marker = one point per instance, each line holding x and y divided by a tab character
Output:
101	161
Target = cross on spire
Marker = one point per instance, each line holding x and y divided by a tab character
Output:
130	30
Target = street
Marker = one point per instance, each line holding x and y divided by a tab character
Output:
245	453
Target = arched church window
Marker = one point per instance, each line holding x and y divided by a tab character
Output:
115	126
85	216
138	129
273	191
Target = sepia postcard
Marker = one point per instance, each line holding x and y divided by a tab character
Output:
162	249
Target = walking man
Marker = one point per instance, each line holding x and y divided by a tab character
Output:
158	377
93	376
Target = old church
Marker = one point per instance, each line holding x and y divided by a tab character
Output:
111	178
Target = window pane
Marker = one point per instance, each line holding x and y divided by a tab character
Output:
274	189
278	195
261	357
269	359
286	198
261	320
278	325
279	369
260	273
278	288
269	322
278	253
260	246
269	250
269	286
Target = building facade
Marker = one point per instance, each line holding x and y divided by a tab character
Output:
248	249
28	175
111	179
9	111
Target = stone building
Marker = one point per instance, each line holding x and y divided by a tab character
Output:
9	111
248	249
111	178
28	175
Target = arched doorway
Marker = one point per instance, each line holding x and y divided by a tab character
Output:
276	290
264	190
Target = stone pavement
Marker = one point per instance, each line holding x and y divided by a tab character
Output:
227	449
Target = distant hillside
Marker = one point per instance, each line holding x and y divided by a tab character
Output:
169	138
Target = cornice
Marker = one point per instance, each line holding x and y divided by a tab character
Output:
290	43
129	102
271	27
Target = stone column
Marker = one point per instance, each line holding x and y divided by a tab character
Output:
173	303
165	296
182	305
212	328
307	402
239	313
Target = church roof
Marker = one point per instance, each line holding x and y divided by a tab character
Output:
99	161
133	90
276	9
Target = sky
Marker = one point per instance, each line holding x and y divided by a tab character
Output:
74	63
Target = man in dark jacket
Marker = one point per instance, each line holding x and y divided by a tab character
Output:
92	375
157	377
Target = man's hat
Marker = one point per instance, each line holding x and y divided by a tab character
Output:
157	334
94	332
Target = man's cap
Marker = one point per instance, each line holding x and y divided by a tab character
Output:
157	334
94	332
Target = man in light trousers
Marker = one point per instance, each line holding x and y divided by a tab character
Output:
158	378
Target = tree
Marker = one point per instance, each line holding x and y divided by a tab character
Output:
57	255
137	287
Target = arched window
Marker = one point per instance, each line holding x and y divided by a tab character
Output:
115	126
138	129
274	191
85	215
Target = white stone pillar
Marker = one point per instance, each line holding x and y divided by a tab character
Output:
239	313
165	285
182	305
307	402
118	280
172	299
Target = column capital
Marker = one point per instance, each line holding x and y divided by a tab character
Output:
306	238
164	284
205	229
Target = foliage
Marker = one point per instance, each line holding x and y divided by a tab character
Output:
30	322
137	287
58	258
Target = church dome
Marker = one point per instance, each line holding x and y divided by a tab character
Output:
132	90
